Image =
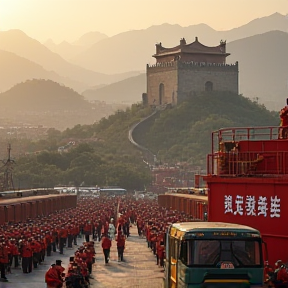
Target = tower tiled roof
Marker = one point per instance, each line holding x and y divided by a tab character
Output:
193	48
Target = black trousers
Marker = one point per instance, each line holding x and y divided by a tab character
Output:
42	255
27	264
49	249
57	242
106	254
61	244
53	247
10	260
87	237
36	258
2	268
16	261
120	253
89	267
99	235
70	241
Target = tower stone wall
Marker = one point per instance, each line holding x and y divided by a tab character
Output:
171	81
167	75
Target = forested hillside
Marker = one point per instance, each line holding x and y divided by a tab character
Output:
103	155
184	132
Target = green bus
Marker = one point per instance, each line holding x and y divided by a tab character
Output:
213	254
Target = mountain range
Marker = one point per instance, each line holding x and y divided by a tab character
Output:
49	104
19	43
97	65
69	50
132	50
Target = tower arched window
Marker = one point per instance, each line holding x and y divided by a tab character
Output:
208	86
161	94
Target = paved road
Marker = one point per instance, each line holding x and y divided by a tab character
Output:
139	269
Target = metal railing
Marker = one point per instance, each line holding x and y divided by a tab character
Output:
227	156
248	163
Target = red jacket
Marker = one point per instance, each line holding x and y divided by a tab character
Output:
282	275
14	249
284	116
87	229
63	233
4	254
120	240
36	246
106	243
52	277
160	251
26	250
48	239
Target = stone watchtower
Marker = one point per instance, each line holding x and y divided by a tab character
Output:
186	69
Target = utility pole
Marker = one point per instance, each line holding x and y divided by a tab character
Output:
7	180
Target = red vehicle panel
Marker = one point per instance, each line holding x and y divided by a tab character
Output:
17	212
23	212
194	205
33	209
9	213
247	178
48	206
2	215
20	209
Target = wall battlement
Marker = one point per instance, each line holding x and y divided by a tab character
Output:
191	65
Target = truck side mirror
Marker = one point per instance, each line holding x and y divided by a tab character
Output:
264	248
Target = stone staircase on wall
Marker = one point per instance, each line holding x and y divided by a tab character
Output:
148	155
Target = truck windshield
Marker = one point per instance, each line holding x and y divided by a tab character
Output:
241	253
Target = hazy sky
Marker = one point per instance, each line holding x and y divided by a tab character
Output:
69	19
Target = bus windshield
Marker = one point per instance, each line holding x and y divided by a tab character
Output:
239	253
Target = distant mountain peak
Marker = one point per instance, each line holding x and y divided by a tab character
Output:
276	14
90	38
15	33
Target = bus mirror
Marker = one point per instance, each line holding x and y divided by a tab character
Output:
265	249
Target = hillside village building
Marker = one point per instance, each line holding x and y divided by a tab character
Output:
187	69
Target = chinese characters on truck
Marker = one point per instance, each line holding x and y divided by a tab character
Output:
252	206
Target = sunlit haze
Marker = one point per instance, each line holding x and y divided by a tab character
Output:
69	19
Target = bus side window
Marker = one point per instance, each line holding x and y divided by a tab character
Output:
184	252
174	243
172	247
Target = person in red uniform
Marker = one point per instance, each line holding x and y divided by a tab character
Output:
282	277
106	245
26	253
48	242
53	278
36	248
4	260
59	268
283	132
62	234
14	253
90	252
120	239
160	253
268	272
87	230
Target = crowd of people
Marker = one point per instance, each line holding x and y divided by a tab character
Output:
27	244
104	219
278	276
